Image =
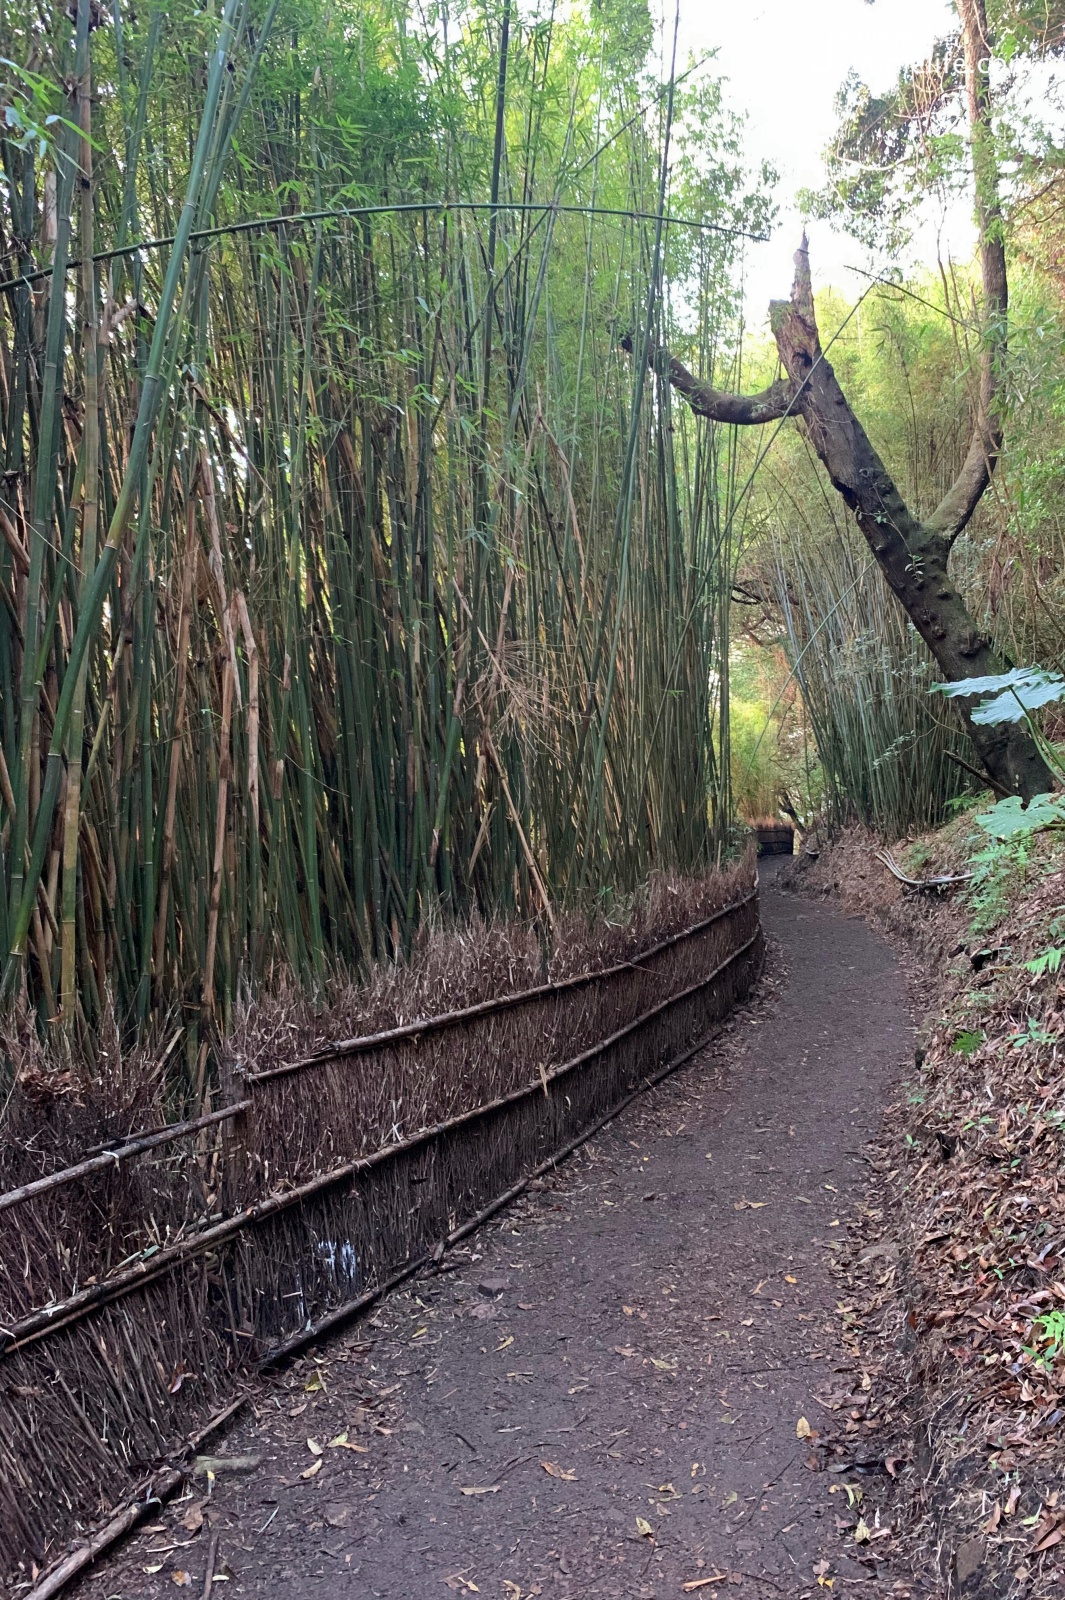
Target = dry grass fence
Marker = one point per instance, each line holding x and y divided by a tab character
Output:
139	1286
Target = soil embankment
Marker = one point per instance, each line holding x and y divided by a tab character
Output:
603	1398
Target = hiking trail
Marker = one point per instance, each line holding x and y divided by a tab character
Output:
600	1397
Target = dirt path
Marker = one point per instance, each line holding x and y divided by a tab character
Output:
601	1399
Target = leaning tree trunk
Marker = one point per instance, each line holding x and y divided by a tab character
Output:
912	554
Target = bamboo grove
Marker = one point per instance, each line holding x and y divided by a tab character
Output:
351	573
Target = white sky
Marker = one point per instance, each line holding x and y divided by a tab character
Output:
784	61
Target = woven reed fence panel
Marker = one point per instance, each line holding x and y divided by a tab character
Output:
135	1297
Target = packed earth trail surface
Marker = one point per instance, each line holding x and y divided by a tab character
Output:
607	1394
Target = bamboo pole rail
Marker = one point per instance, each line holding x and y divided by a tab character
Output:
51	1319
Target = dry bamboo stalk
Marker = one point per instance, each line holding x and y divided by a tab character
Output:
14	543
253	705
177	740
90	513
159	1489
217	566
224	761
136	1145
537	877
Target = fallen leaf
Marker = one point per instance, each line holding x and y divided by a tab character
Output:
315	1384
892	1464
192	1521
630	1311
492	1488
749	1205
509	1340
314	1447
644	1528
862	1533
315	1466
553	1471
1048	1535
624	1350
730	1499
181	1577
663	1366
803	1429
1011	1503
789	1279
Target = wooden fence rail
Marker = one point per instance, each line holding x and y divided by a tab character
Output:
257	1228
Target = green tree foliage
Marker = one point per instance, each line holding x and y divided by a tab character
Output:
893	149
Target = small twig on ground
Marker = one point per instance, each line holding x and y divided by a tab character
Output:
208	1577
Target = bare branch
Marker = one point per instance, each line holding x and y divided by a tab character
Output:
964	495
719	404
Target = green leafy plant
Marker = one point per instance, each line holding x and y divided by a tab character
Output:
1012	697
1011	818
1013	694
968	1042
1035	1033
1048	1338
1047	961
998	870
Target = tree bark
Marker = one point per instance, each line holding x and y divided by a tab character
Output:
913	555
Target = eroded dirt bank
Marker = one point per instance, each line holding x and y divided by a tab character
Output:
603	1397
